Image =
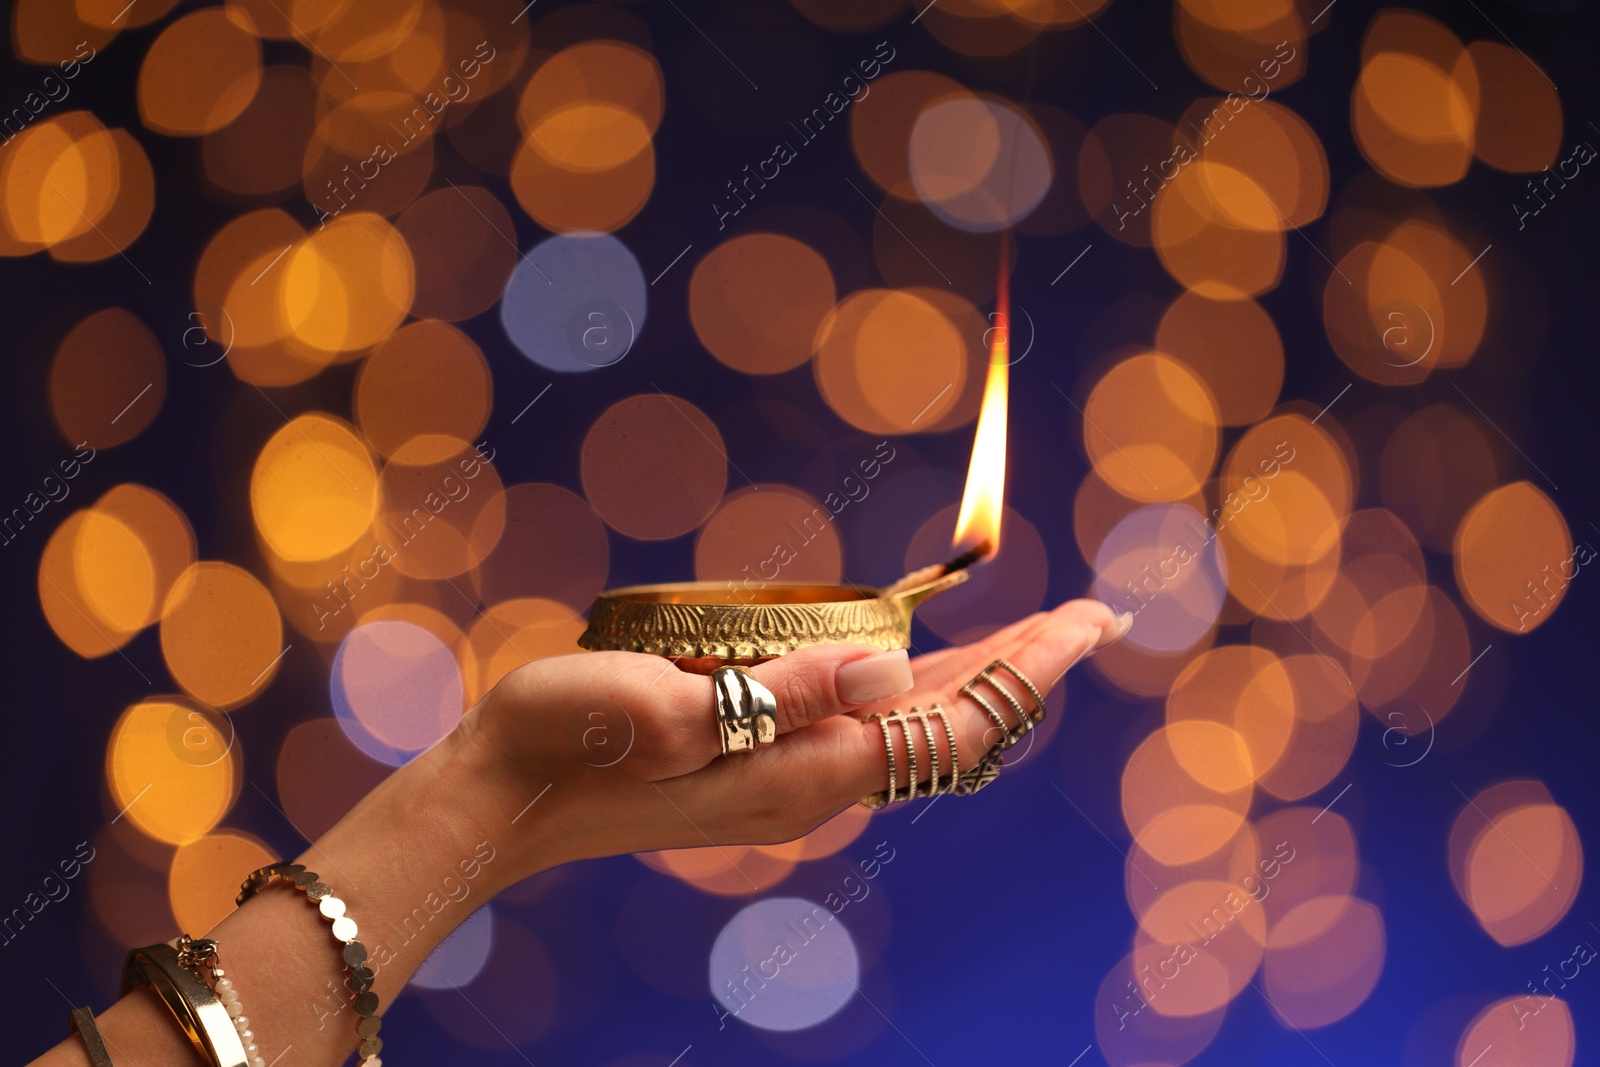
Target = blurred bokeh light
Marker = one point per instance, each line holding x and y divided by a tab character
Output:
334	406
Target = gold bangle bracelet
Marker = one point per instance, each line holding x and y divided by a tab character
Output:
199	955
201	1016
351	951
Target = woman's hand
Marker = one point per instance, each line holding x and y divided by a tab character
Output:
622	749
570	758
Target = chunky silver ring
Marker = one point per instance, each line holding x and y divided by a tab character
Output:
747	712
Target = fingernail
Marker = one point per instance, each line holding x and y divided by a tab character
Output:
862	681
1120	626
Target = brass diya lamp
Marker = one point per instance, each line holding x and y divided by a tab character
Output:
705	625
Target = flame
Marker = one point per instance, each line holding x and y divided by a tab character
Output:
978	523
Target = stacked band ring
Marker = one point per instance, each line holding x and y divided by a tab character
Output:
747	712
937	783
988	768
1027	718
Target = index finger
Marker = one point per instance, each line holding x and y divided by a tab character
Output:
807	685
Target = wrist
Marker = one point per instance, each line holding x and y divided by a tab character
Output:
446	830
468	792
412	861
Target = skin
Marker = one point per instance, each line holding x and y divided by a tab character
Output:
526	774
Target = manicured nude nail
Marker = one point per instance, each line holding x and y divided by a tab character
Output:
862	681
1120	626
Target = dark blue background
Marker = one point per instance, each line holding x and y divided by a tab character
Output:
1006	912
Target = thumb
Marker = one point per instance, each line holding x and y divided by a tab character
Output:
815	683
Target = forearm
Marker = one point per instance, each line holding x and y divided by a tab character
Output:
516	789
411	861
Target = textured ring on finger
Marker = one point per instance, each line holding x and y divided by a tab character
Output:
976	778
747	712
1027	718
1033	690
1000	725
933	756
883	800
937	784
951	783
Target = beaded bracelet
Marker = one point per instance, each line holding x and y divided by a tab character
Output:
353	953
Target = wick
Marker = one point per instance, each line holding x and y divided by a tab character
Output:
981	550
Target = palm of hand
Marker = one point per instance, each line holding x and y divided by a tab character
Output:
628	745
